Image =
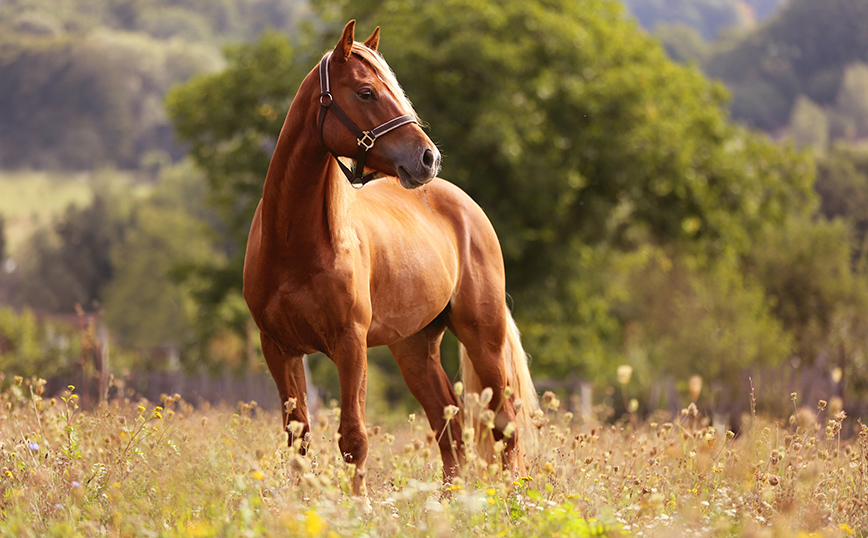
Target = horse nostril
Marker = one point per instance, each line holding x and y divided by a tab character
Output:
428	159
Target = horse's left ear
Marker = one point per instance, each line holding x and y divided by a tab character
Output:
345	45
374	41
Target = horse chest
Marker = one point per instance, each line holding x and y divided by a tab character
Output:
311	314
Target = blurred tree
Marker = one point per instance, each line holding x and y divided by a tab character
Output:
809	125
144	306
33	347
682	43
852	100
69	265
842	183
802	50
2	240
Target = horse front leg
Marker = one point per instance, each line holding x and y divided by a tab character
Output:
352	363
287	369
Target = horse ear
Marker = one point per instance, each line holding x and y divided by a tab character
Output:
374	41
345	45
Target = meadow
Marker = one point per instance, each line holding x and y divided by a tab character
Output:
171	469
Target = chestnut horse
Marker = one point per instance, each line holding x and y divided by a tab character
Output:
337	270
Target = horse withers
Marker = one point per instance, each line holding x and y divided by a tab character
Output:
337	270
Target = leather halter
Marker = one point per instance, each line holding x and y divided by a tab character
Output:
364	139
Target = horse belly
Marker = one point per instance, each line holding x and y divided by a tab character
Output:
405	298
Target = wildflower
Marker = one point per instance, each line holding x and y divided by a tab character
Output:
70	387
695	387
509	429
18	380
486	395
822	404
847	529
625	372
507	392
412	418
314	523
450	411
459	388
76	484
290	404
467	435
257	475
34	447
794	396
550	401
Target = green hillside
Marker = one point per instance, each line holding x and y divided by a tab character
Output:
83	81
805	69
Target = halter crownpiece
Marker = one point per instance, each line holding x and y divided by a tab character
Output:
364	139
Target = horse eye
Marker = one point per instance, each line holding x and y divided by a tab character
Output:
366	94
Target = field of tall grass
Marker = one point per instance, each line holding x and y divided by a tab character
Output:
169	469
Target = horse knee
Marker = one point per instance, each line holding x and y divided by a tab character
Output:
354	446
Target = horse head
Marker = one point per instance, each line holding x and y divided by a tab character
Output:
365	115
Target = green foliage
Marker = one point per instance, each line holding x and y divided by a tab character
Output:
682	43
145	307
806	269
842	183
809	125
87	101
69	265
708	17
852	101
84	84
30	346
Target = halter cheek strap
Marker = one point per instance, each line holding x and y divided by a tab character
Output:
364	139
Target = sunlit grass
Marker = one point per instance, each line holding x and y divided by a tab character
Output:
135	468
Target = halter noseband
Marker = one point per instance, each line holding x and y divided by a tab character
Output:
364	139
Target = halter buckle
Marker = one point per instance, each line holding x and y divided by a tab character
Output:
367	140
325	99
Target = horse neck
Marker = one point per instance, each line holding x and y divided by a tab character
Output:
305	201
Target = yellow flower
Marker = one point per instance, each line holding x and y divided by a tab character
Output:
313	523
847	529
257	475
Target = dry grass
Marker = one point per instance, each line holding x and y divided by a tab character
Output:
135	469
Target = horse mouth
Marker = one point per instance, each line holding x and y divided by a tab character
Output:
407	180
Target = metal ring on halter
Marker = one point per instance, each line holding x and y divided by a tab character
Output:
367	140
326	95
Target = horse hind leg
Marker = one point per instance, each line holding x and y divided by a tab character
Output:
492	357
287	369
418	357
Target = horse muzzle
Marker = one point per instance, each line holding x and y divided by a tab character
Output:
419	170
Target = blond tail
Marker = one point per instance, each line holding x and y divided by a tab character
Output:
518	378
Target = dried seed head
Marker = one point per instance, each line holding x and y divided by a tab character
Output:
695	387
290	404
625	372
486	395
